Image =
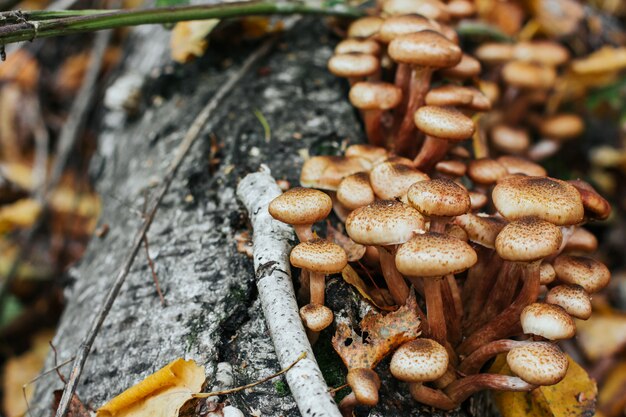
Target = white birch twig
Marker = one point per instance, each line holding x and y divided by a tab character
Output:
273	274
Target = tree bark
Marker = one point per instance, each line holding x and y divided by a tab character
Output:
212	313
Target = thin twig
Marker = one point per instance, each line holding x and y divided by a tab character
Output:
181	152
253	384
56	355
155	278
42	374
339	388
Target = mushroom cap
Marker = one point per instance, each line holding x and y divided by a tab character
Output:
490	89
542	52
478	199
518	165
456	232
468	67
420	360
301	206
451	167
353	65
548	198
384	222
528	75
319	255
439	197
573	298
581	240
596	207
562	126
365	27
326	172
316	317
481	228
426	48
494	52
528	240
365	384
391	180
432	9
355	191
395	26
486	171
538	363
448	95
373	154
590	274
547	274
547	320
510	139
460	9
444	123
368	95
434	255
357	46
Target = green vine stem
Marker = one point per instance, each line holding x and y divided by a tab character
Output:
26	26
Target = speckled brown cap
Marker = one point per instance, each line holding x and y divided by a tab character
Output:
538	363
596	207
316	317
510	139
326	172
434	255
439	197
486	171
581	240
365	27
468	67
519	165
456	232
395	26
573	298
451	168
542	52
319	255
384	222
301	206
460	9
494	53
481	228
353	65
357	46
448	95
375	95
528	240
365	384
547	274
478	199
550	199
355	191
528	75
444	123
420	360
547	320
590	274
392	180
426	48
374	154
432	9
562	126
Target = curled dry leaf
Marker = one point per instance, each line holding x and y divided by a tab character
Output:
352	277
353	249
602	335
383	334
161	394
575	395
189	39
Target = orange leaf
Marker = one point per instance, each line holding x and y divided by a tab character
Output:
383	334
352	277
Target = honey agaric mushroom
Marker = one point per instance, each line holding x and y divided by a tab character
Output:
478	200
431	257
326	172
547	274
548	321
316	317
395	26
301	208
465	98
554	131
512	140
573	298
442	126
460	9
365	384
386	224
542	52
518	165
525	243
486	171
590	274
451	169
439	200
468	68
581	240
371	153
392	180
432	9
355	191
494	52
365	27
424	52
373	99
596	206
528	75
477	359
354	67
358	46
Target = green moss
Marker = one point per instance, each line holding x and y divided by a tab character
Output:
281	388
333	370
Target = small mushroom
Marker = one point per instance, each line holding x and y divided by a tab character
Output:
373	99
440	200
590	274
548	321
301	208
573	298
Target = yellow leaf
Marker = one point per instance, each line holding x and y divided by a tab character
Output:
189	39
160	394
20	214
605	60
602	335
574	396
612	398
352	277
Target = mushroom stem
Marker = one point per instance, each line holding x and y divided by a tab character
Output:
304	232
434	309
432	151
432	397
347	405
474	362
395	281
318	287
507	321
502	293
372	119
463	388
451	312
480	279
304	292
419	85
438	224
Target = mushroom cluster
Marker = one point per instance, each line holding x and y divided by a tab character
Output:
493	246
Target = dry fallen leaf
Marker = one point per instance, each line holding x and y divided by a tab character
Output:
382	335
189	39
160	394
76	409
612	398
20	68
352	277
602	335
20	214
574	396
